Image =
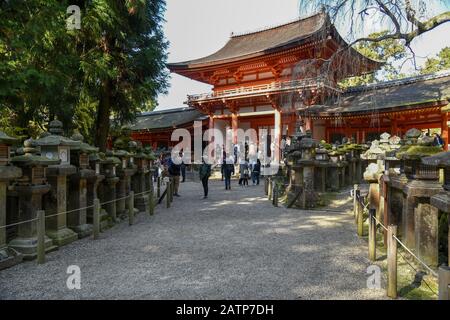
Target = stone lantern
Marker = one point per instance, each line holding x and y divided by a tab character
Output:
93	183
8	256
139	180
307	162
151	157
301	161
322	163
124	172
334	170
30	188
422	181
78	190
430	234
54	146
107	189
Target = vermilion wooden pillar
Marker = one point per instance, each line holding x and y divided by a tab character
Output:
444	129
211	126
394	129
234	126
277	133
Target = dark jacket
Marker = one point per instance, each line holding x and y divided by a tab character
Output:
256	168
228	169
174	169
204	171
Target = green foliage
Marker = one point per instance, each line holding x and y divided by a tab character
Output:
388	51
438	63
117	58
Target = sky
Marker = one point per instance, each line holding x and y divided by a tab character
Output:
196	28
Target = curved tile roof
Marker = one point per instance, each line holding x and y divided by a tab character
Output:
262	42
403	94
166	119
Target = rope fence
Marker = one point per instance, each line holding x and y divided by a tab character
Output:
360	207
41	217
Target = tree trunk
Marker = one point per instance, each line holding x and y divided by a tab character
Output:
104	109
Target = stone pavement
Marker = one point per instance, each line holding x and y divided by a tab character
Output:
234	245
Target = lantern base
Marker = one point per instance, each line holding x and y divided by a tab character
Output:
28	246
62	236
83	230
9	257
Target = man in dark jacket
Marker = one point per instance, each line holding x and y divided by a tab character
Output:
228	170
205	173
174	172
256	171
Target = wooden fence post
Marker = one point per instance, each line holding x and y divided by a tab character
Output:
360	219
392	262
266	186
372	235
444	283
40	236
131	208
269	189
151	203
355	200
275	196
172	189
168	194
357	205
96	219
158	187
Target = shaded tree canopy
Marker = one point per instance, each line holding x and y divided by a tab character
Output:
113	66
404	20
438	63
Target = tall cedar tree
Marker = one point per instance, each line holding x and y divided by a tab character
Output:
123	58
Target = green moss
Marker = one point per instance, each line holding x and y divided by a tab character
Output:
417	152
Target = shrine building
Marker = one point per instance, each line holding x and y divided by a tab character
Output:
286	77
260	78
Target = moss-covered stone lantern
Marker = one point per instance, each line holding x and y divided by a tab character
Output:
107	189
78	189
124	172
422	183
435	239
8	256
139	179
334	170
93	183
30	188
54	145
322	163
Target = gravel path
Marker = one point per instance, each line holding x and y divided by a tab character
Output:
234	245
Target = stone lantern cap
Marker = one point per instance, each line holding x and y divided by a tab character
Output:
30	159
413	133
150	154
111	158
440	160
83	147
416	152
54	136
384	137
308	143
5	139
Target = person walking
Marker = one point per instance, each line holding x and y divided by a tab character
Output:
205	173
243	171
182	167
228	171
256	171
175	172
438	141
